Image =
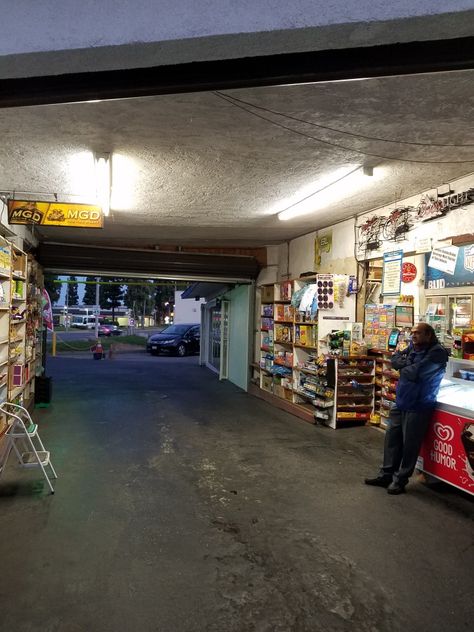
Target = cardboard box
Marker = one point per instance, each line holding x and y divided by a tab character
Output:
267	293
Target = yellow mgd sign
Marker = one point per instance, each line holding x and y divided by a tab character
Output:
55	214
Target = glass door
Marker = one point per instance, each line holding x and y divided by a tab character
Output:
224	367
460	312
214	358
436	305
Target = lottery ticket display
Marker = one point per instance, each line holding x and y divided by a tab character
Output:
379	321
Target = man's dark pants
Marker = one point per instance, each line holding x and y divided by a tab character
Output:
403	440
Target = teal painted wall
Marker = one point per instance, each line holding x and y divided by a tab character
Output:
239	339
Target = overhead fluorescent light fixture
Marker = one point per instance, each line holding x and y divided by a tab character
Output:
103	181
80	176
333	188
124	182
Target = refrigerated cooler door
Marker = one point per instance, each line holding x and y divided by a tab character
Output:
460	312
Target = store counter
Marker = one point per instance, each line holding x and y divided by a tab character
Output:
447	452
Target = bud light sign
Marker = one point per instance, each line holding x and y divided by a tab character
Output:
461	275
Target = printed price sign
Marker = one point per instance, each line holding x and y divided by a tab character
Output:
392	273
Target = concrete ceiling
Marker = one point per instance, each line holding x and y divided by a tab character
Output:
199	170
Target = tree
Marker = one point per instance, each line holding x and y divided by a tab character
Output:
53	289
164	293
139	298
89	293
111	294
72	296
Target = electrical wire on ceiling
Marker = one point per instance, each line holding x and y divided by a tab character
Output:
336	145
341	131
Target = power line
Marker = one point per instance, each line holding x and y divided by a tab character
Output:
336	145
341	131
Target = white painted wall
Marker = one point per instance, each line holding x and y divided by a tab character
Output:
340	260
302	255
148	29
457	222
187	310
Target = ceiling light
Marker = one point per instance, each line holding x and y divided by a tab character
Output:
103	181
80	176
124	182
331	189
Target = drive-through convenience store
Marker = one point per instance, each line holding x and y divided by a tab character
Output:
337	301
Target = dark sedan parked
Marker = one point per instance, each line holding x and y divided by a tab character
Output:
109	330
178	339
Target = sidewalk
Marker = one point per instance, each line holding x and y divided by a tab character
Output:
185	505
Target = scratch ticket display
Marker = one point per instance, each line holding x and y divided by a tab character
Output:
379	321
325	291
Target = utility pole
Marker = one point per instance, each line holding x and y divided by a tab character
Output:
66	315
97	308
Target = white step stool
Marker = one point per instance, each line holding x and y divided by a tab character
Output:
20	438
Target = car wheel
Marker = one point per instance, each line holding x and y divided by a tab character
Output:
181	350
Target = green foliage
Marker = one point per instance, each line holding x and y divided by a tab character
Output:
140	298
89	293
111	295
164	293
72	296
53	289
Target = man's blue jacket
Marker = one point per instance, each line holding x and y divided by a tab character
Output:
421	373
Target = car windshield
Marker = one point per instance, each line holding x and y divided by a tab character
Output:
175	329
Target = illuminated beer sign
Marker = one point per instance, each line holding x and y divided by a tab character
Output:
55	214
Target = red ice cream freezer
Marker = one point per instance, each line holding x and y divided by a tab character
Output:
447	452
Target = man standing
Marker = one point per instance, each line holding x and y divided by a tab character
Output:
422	365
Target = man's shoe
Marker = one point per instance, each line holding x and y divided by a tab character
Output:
379	481
395	488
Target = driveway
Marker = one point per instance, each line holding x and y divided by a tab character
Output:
183	504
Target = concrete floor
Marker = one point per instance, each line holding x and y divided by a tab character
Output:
185	505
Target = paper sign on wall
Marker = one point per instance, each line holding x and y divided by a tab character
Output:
436	279
444	259
392	273
325	242
423	244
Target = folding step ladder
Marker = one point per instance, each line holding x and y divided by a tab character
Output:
20	438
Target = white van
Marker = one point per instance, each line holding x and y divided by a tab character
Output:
83	322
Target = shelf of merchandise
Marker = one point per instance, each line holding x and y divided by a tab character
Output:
352	380
17	327
316	386
296	378
262	369
388	389
283	333
33	337
5	293
276	371
5	302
